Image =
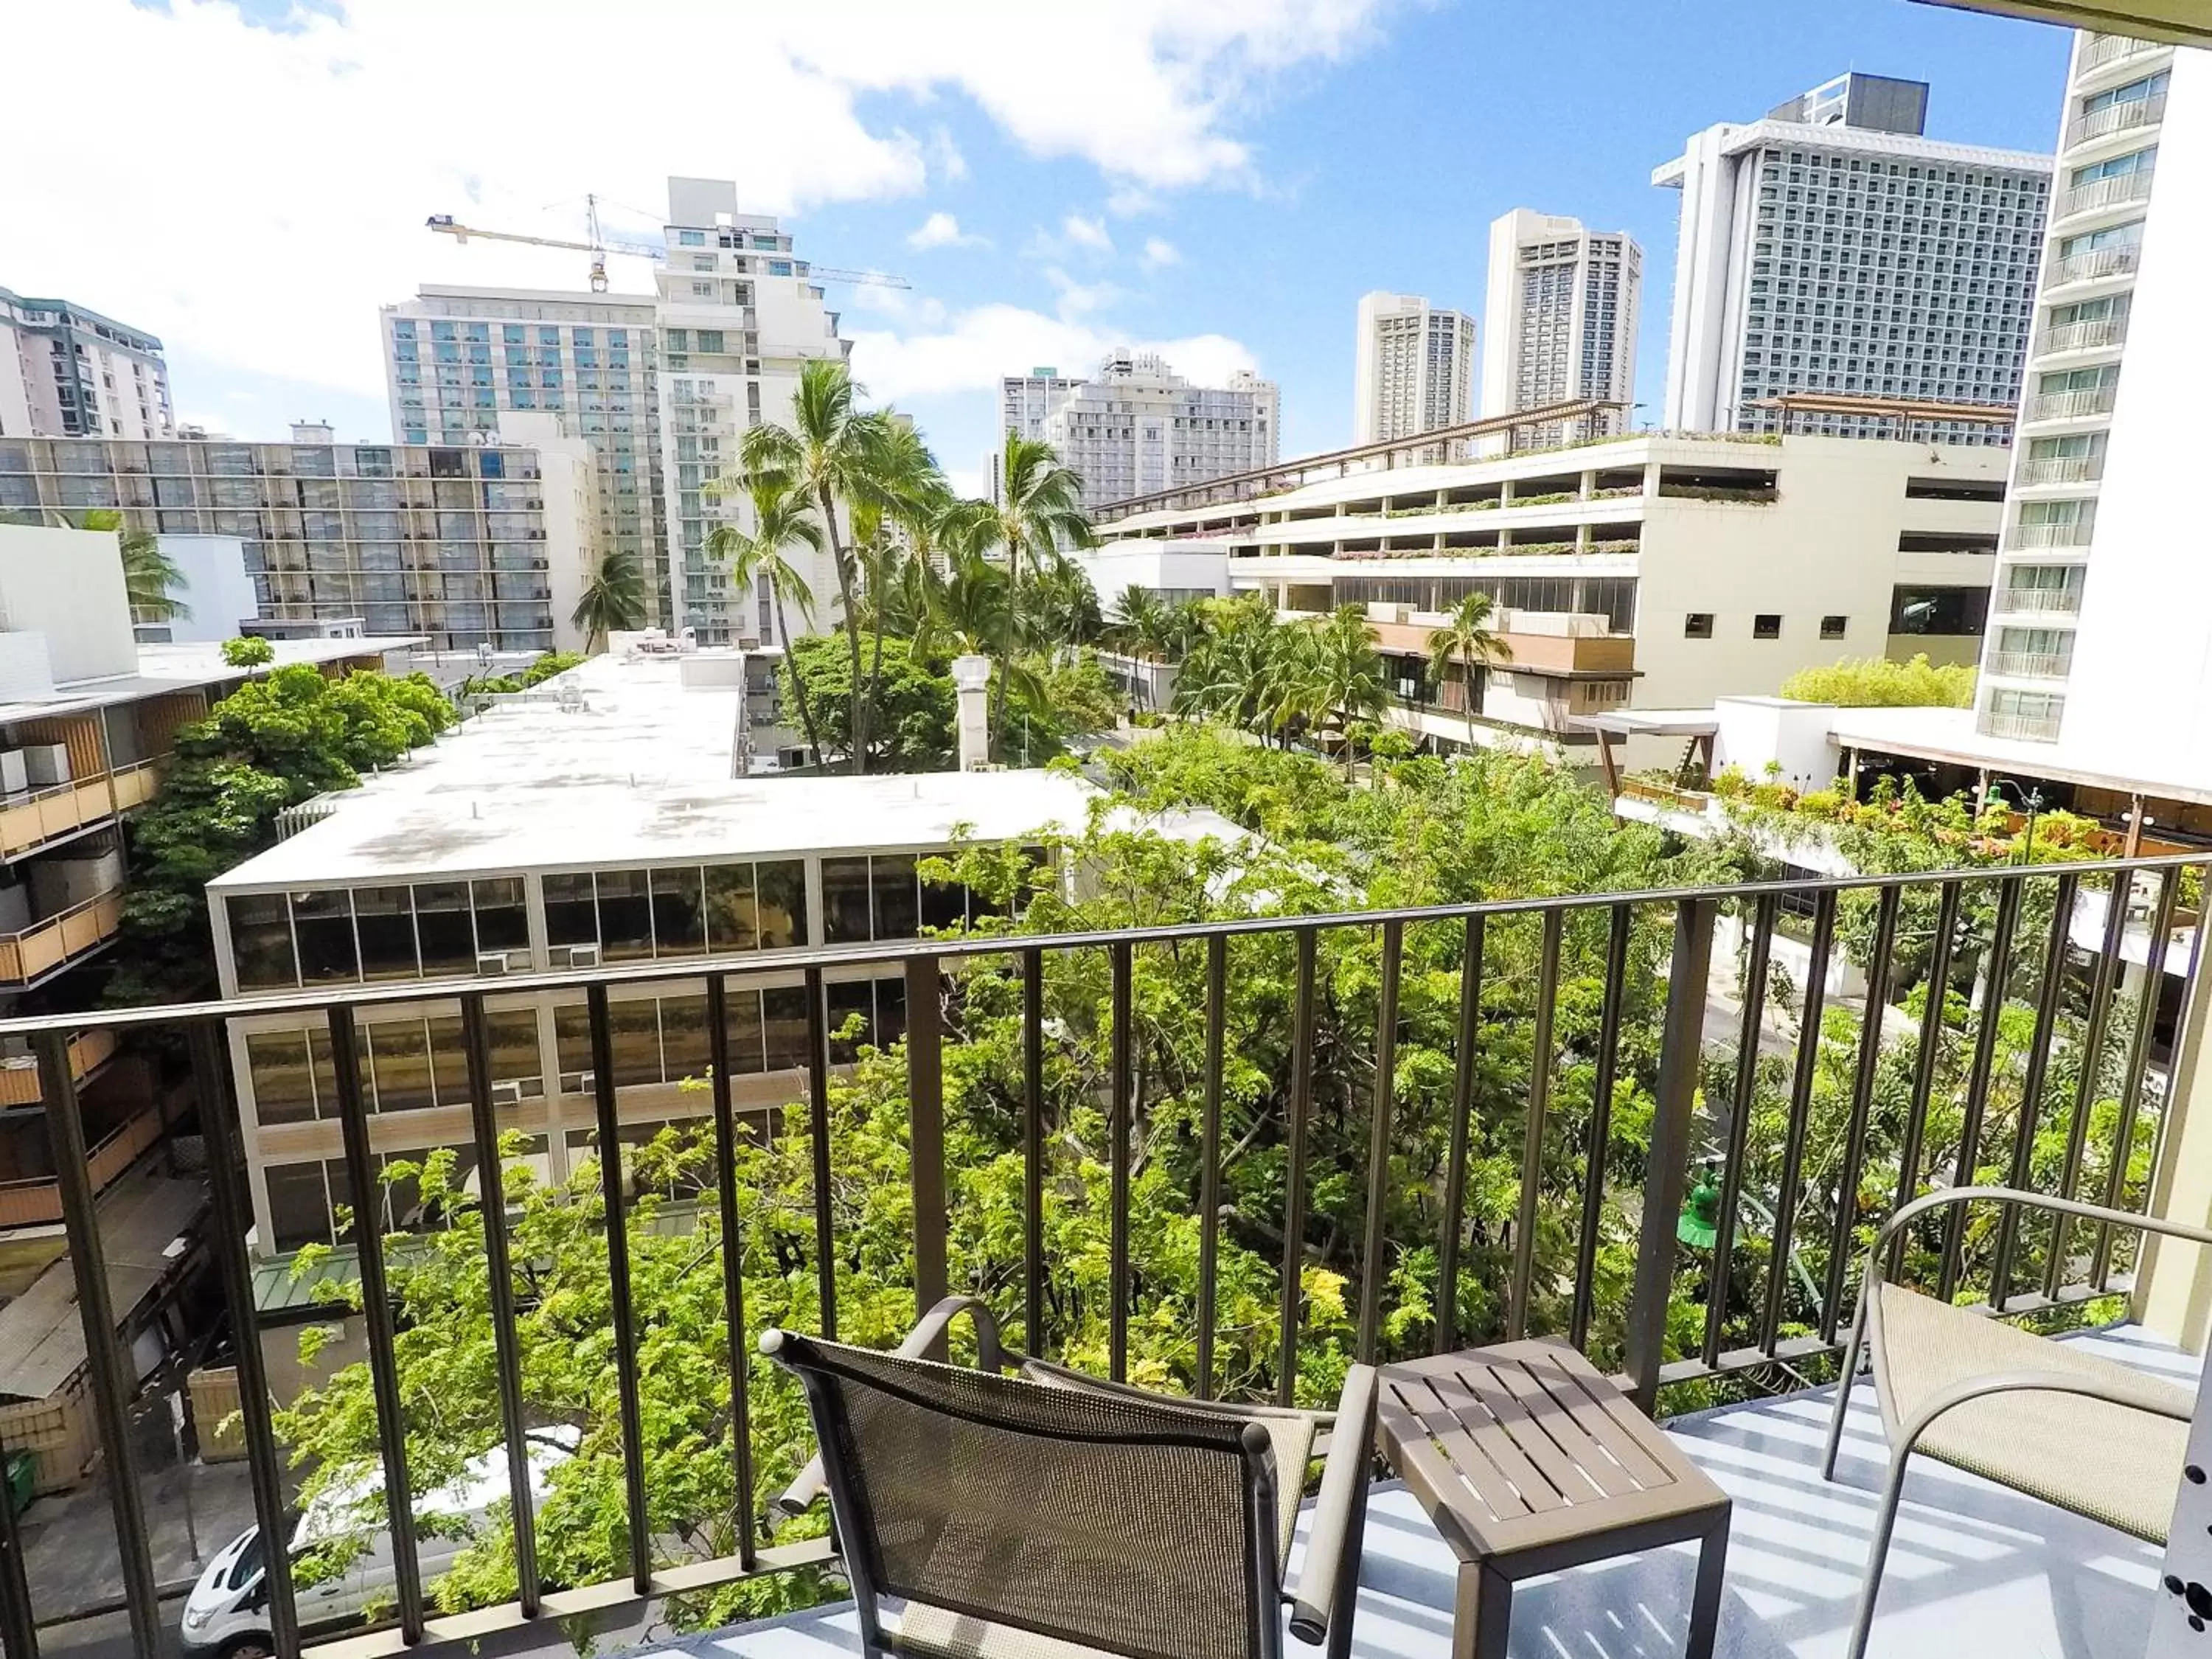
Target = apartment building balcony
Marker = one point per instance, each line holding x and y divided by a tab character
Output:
2061	470
2100	195
2098	264
2039	601
33	954
2116	117
2032	728
31	821
2100	49
2097	334
2029	665
2080	405
2048	535
1739	1284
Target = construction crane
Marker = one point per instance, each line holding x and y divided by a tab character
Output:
600	246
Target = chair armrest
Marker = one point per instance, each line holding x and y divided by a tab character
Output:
1332	1537
800	1495
1949	1195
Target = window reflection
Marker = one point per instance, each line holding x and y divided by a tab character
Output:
845	901
570	917
502	913
780	892
679	917
322	922
442	928
891	878
261	942
384	920
625	915
731	922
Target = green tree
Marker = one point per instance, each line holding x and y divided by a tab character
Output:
781	519
151	580
248	651
1039	513
1468	639
1875	683
614	599
1347	674
913	729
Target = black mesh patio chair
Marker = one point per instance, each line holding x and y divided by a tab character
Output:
1049	1515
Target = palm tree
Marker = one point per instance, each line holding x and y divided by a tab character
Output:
832	452
1347	672
150	577
1039	511
1468	638
613	600
781	519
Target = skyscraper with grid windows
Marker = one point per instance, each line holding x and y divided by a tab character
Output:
1561	307
1833	247
1414	371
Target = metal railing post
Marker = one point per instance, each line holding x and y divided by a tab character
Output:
1671	1129
925	1092
104	1352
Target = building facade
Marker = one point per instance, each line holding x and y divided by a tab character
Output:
1561	308
1833	248
1028	401
467	543
66	372
1137	426
2101	603
1654	571
459	362
1414	368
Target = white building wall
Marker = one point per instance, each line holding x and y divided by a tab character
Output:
217	590
1183	568
68	585
2142	668
573	546
1414	369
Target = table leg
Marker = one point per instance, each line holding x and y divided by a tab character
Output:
1705	1605
1483	1610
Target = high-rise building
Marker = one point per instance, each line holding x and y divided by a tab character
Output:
458	359
468	543
738	316
1028	401
2101	604
1139	427
1561	308
1833	247
1414	371
66	372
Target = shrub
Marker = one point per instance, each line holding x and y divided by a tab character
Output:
1875	683
248	652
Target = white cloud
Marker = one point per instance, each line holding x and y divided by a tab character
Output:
984	343
1158	251
1079	299
1079	232
270	260
1128	201
942	230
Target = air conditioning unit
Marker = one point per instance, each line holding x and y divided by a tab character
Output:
575	956
579	1082
507	1092
489	962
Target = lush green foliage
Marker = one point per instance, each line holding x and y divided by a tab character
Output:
248	651
1283	679
544	668
1877	683
271	743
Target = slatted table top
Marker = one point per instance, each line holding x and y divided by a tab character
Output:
1525	1445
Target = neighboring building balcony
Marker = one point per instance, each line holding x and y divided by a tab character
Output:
2116	118
2039	601
19	1071
2099	194
2092	336
54	942
38	1203
2100	50
2029	728
2030	665
29	822
2080	405
2048	535
2098	264
1587	650
2061	470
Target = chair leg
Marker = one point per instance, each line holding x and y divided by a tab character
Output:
1705	1604
1347	1578
1878	1553
1483	1614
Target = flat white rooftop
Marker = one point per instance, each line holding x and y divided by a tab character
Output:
164	668
639	773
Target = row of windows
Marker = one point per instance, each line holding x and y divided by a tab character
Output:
404	328
1764	625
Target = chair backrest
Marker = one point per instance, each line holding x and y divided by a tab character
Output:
1124	1525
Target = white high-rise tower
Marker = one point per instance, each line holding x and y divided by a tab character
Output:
1560	308
1415	368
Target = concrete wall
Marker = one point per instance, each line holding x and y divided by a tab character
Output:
2143	648
1155	565
572	545
68	585
1755	731
216	589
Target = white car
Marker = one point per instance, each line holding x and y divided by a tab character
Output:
227	1615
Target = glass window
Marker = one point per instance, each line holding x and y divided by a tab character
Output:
684	1047
845	1001
730	922
384	920
399	1062
283	1086
572	1043
679	918
449	1061
780	893
1766	625
625	915
511	1035
634	1030
944	904
783	1024
441	925
844	901
743	1011
323	923
502	915
299	1206
897	912
570	918
261	942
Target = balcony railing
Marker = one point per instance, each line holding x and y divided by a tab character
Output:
2094	266
2083	336
19	1073
2030	665
55	941
2071	405
2116	118
1545	1012
2101	193
39	1203
2062	468
2100	50
2010	723
2049	535
2047	601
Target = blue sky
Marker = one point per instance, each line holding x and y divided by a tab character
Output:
1232	176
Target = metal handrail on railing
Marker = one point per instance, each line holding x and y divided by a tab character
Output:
2089	335
2062	469
2116	118
2118	190
2071	405
2060	601
931	971
2097	263
2030	665
2100	50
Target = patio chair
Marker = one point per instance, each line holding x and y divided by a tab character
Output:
2046	1419
1049	1515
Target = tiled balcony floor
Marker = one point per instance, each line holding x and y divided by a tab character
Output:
1975	1572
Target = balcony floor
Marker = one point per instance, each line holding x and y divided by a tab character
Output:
1975	1571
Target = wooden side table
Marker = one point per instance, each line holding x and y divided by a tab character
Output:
1529	1462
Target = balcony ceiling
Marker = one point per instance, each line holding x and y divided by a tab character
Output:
2187	23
